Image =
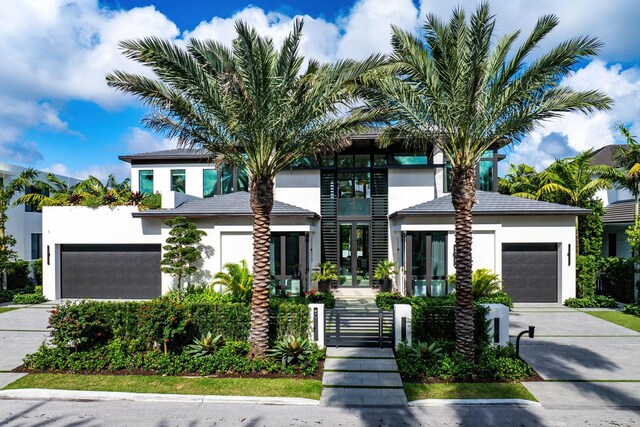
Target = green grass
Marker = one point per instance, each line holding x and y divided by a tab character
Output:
627	320
416	391
270	387
5	309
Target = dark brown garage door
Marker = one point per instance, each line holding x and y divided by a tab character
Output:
110	271
530	271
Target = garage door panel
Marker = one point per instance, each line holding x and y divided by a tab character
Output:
530	271
110	271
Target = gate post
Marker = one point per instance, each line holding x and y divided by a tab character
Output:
401	324
316	320
498	318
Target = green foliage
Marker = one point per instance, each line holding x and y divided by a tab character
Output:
386	300
632	309
34	298
496	298
165	324
17	274
594	301
633	236
36	268
433	320
586	274
484	282
591	227
619	274
79	325
181	251
208	344
316	297
7	295
199	295
150	201
422	351
238	281
385	270
292	350
291	319
325	272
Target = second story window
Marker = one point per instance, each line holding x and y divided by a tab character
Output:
178	180
33	207
146	181
486	173
209	182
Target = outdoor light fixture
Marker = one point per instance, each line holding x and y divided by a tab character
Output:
530	331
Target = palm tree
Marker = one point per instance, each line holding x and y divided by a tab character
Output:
627	161
110	192
465	94
251	106
521	180
54	191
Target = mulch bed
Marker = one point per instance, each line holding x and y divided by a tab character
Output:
434	380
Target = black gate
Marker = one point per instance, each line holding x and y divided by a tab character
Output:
352	327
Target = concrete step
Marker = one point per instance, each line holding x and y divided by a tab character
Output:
358	352
369	379
336	364
338	396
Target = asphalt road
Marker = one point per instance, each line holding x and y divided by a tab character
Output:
139	414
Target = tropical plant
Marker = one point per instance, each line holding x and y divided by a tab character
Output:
484	282
252	106
237	281
325	272
181	251
111	192
52	191
521	180
292	350
385	270
208	344
424	351
466	92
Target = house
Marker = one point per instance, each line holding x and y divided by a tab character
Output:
619	207
25	221
355	208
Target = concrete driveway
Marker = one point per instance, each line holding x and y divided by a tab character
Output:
585	356
21	332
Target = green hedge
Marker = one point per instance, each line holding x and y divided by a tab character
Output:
18	274
618	273
596	301
586	275
633	309
432	322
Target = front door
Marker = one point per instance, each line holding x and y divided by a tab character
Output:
355	265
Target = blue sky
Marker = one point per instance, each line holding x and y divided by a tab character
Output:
56	112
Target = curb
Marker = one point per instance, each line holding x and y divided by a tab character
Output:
110	396
462	402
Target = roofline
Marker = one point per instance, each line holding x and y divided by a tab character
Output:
580	212
142	158
144	214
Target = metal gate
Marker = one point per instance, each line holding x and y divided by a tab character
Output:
351	327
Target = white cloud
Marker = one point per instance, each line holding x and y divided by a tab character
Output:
120	170
141	141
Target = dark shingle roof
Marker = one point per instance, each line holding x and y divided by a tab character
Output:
174	154
492	204
619	212
604	156
234	204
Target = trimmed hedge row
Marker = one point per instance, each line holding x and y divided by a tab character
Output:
164	323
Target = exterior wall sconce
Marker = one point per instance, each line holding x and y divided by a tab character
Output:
530	331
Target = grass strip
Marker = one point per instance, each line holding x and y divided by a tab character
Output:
628	321
416	391
269	387
390	387
5	309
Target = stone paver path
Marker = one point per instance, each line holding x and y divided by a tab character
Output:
361	377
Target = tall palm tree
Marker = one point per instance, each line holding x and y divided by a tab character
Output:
466	94
252	106
54	191
521	180
627	162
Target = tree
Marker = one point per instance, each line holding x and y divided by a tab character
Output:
251	106
521	180
53	191
181	251
7	193
465	94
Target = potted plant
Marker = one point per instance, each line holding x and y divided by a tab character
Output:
385	270
324	274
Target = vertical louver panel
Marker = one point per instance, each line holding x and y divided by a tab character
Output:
379	221
329	212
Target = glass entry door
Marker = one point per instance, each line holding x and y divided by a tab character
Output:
354	260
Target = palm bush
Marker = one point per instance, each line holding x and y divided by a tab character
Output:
385	270
237	281
484	282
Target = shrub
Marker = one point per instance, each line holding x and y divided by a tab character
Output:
34	298
433	322
633	309
36	268
595	301
617	273
386	300
586	274
291	350
17	274
316	297
205	345
290	319
79	325
497	298
238	281
150	201
6	296
484	282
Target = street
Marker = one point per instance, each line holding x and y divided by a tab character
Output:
140	414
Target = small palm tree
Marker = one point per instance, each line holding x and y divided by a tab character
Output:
465	92
237	281
252	106
54	191
521	180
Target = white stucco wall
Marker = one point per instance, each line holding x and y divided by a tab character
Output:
490	232
162	177
299	188
409	187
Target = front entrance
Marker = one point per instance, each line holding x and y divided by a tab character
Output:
354	258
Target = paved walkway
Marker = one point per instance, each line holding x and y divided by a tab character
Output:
585	357
22	331
361	377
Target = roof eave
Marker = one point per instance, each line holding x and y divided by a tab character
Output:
497	213
215	215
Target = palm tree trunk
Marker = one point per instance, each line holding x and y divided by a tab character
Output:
463	192
261	204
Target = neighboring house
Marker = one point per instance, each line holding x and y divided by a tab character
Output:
618	211
25	221
354	209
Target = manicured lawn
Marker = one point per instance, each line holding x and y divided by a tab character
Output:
467	391
627	320
277	387
5	309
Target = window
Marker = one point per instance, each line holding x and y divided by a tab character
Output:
36	246
408	159
354	193
285	263
178	180
226	180
242	181
209	182
613	244
428	273
485	175
146	181
447	176
33	207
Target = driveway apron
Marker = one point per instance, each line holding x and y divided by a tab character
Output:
21	332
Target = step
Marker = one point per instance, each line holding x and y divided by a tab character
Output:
339	396
358	352
336	364
357	379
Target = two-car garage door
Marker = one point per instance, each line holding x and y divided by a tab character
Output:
110	271
530	271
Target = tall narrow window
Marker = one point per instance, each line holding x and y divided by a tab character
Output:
243	180
613	244
146	181
226	180
209	182
178	180
485	175
447	176
36	246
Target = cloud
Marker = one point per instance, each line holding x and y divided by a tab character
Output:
141	141
120	170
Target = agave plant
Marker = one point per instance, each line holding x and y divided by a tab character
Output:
423	350
208	344
292	350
